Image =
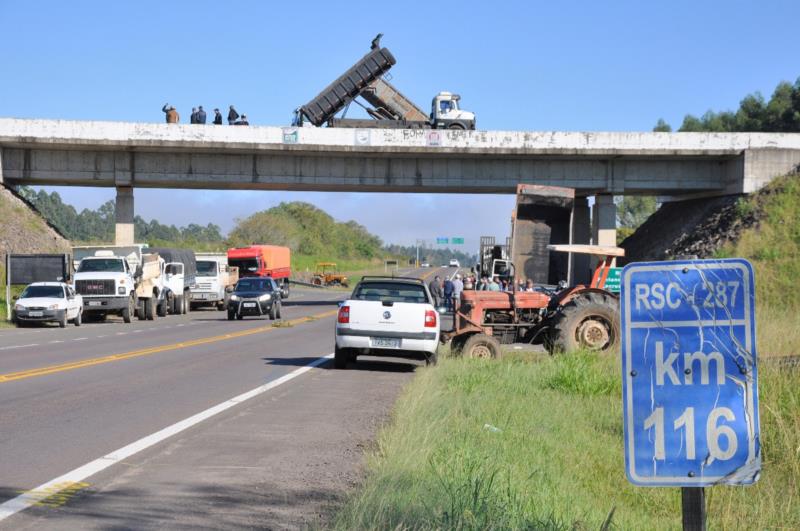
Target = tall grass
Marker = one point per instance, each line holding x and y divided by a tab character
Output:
536	443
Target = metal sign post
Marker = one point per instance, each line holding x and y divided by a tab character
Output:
690	394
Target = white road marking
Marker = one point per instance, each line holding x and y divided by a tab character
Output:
56	341
80	338
31	497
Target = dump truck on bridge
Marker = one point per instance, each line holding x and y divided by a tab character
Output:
388	107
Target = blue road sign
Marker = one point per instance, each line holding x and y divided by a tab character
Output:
690	393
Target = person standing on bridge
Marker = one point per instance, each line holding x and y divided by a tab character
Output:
171	114
201	115
217	117
243	121
232	116
193	117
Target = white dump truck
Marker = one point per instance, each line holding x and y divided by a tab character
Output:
106	277
214	281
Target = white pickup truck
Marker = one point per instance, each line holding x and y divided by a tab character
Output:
384	316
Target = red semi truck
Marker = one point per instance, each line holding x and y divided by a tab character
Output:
263	261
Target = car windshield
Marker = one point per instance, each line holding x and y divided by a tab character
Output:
247	266
254	284
206	268
390	291
43	291
111	265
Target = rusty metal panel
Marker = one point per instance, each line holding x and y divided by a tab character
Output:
543	217
382	95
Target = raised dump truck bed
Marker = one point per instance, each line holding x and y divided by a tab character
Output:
347	86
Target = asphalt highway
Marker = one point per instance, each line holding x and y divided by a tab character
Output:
187	421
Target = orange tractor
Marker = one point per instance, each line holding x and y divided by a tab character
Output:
562	318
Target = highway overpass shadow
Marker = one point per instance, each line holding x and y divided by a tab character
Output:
366	363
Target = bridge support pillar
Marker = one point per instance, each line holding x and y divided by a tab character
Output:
582	234
605	220
124	215
1	166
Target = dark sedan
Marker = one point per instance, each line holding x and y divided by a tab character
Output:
255	296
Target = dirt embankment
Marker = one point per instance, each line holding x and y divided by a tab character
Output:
24	230
694	227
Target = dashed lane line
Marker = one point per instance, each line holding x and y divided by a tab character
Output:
52	369
77	476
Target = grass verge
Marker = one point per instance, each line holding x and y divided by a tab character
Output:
536	443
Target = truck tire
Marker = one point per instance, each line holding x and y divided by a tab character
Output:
273	311
78	318
150	308
456	125
341	356
174	309
185	305
141	311
162	308
127	312
589	321
482	346
178	304
286	285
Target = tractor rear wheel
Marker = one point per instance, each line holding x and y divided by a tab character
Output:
589	321
482	346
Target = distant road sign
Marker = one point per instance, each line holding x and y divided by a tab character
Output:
442	240
613	279
457	241
689	373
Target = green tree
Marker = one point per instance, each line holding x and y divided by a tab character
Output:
662	127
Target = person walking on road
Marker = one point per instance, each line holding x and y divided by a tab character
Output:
172	115
201	115
217	117
232	116
436	291
458	287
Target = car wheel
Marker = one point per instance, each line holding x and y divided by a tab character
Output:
78	318
340	358
240	317
273	312
231	315
62	323
432	358
278	313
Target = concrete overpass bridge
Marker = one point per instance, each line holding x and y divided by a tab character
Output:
127	155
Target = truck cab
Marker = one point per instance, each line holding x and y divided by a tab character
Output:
107	283
446	113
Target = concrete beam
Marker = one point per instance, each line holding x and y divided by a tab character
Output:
124	216
582	234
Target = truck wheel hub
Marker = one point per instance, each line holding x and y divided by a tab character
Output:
593	334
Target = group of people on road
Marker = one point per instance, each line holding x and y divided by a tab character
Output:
447	293
199	116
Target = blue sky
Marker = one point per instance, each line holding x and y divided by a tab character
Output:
574	66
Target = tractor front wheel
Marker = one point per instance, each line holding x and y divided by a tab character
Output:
482	346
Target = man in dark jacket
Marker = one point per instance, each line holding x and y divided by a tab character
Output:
217	117
243	121
448	294
435	288
232	116
201	115
193	117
